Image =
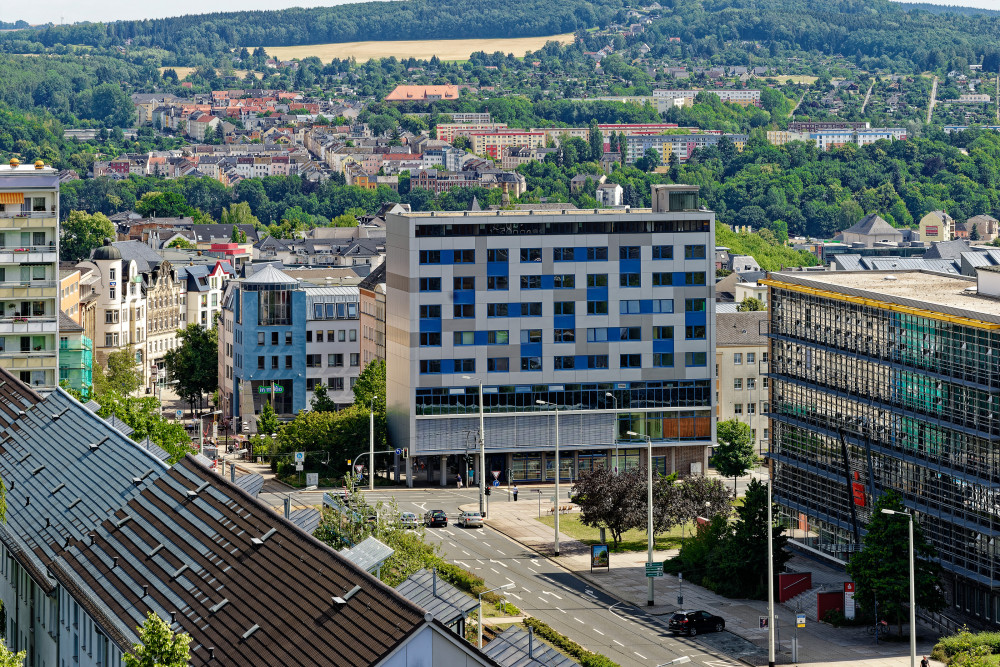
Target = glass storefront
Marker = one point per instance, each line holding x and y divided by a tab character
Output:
527	467
565	466
593	459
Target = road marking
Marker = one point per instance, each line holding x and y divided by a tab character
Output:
598	631
466	552
640	655
462	563
445	530
535	563
480	562
495	570
590	593
514	595
552	594
509	579
558	609
525	589
617	642
577	620
544	601
501	553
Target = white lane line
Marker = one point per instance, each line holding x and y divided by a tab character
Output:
462	563
577	620
500	552
640	655
558	609
500	563
466	552
514	595
617	642
445	530
534	563
598	631
509	579
495	570
525	589
544	601
480	562
552	594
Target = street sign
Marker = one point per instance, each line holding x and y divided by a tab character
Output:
654	569
849	599
398	451
179	414
298	467
300	457
496	474
800	620
496	482
359	467
312	479
763	622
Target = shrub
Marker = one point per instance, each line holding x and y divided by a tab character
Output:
583	656
968	642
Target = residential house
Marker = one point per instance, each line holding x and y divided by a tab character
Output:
371	296
937	226
871	230
741	367
609	194
987	228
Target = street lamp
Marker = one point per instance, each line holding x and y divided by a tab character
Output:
614	428
504	587
770	578
482	447
555	504
649	503
913	593
371	443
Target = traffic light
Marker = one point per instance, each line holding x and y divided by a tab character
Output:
348	463
487	490
468	460
406	452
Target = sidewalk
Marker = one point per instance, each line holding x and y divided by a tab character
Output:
819	643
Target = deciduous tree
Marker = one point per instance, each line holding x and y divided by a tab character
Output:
194	364
82	233
371	383
613	501
734	455
158	646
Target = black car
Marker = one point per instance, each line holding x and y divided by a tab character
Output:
693	622
436	518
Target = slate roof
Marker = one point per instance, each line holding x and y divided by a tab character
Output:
306	519
947	249
118	424
67	324
269	275
145	257
871	225
236	576
373	279
222	233
154	449
449	605
740	329
251	483
510	649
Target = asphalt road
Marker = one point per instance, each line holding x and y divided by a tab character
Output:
624	633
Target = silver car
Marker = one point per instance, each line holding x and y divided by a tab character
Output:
470	520
408	520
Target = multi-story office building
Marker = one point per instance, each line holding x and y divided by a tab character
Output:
371	293
901	373
602	321
741	372
333	346
29	272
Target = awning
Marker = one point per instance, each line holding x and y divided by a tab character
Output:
11	197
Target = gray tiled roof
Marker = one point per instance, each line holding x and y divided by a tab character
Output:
145	257
307	519
251	483
67	324
739	329
154	449
449	605
871	225
117	423
510	649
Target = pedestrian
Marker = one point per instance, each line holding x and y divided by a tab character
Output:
458	479
515	493
925	662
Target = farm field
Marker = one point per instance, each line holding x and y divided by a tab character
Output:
445	49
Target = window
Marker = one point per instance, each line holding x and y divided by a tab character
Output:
288	361
566	281
531	282
751	383
110	340
737	358
496	309
694	305
628	252
112	273
597	361
737	408
663	279
288	338
111	293
466	256
430	312
275	308
694	358
738	384
340	335
765	430
763	359
465	337
337	384
694	278
629	280
498	337
319	336
309	337
496	255
764	382
564	308
274	338
629	333
630	361
531	254
465	365
597	280
463	311
564	335
531	309
497	282
765	407
531	363
260	363
564	363
314	361
599	335
464	282
531	336
430	339
597	254
694	252
663	252
111	317
663	359
430	256
751	357
663	305
430	284
498	365
663	333
628	307
694	332
274	363
562	254
751	408
597	307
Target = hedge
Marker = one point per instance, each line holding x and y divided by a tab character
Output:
965	641
583	656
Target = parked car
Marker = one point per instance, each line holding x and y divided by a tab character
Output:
693	622
470	520
408	520
436	518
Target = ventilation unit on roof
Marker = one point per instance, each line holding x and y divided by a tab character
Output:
138	480
57	415
254	628
24	458
194	492
181	570
257	541
155	550
219	605
94	445
74	503
121	522
38	470
58	488
347	596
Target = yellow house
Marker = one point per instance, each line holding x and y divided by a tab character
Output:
937	226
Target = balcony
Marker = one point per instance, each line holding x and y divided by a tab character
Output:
27	220
21	289
37	324
15	254
33	360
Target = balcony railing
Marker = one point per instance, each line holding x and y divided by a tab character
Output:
23	319
28	248
27	214
27	283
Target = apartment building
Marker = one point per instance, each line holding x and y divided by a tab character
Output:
371	295
120	307
493	143
602	321
741	372
665	99
29	272
891	380
449	131
681	145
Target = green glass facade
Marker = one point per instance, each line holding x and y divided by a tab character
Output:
76	362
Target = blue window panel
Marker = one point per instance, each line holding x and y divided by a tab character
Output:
548	282
663	346
480	337
694	319
581	361
531	349
497	269
447	365
645	307
614	334
464	297
430	325
514	309
579	255
597	294
447	256
632	266
564	322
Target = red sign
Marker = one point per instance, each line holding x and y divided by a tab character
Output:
859	493
848	586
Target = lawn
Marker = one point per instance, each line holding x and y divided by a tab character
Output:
632	540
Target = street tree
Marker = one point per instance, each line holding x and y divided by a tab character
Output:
10	659
371	383
144	416
702	496
750	303
158	646
267	423
616	502
881	570
82	233
321	401
122	374
194	364
734	455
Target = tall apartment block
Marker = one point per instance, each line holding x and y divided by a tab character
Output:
599	321
29	272
891	381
